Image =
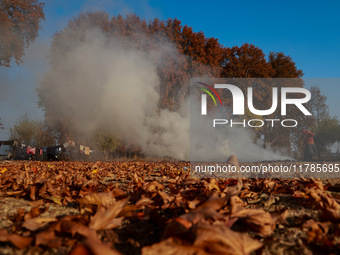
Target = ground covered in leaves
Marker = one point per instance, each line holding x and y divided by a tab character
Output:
145	207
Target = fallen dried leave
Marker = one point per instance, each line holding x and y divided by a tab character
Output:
106	218
218	239
256	220
155	207
102	199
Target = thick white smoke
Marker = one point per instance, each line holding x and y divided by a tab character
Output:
102	84
217	144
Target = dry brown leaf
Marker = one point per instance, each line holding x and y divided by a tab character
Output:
329	201
206	210
128	211
269	184
166	198
316	232
36	223
33	190
81	250
106	218
271	200
47	238
181	225
33	213
99	248
19	241
236	204
218	239
153	186
202	213
299	193
213	184
329	206
192	204
172	246
102	199
257	220
137	180
37	203
73	228
176	227
214	203
144	201
235	189
117	192
14	193
280	217
3	235
318	184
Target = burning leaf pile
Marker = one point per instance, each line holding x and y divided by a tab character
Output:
145	207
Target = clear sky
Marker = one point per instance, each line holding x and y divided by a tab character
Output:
308	31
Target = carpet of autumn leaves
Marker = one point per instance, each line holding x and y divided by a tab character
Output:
156	208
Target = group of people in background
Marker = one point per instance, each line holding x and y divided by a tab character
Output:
66	151
50	153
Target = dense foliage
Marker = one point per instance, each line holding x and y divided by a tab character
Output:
19	26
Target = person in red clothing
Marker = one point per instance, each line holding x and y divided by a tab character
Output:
309	144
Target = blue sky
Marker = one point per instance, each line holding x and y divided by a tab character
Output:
308	31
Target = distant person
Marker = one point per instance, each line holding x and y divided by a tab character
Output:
308	142
51	153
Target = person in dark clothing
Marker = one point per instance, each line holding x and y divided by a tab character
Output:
51	153
309	145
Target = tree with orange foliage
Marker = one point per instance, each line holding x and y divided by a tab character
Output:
19	25
247	61
283	66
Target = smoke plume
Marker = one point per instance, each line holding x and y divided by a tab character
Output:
100	83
